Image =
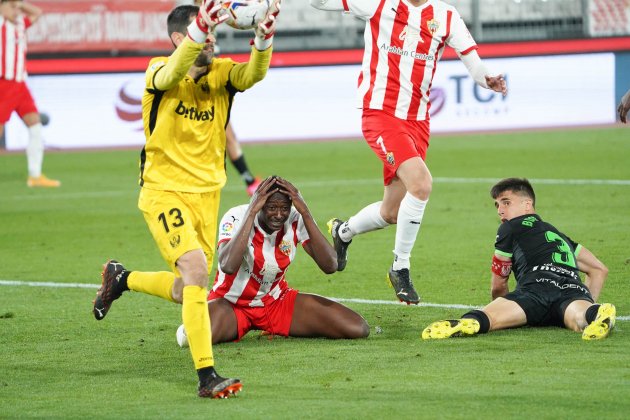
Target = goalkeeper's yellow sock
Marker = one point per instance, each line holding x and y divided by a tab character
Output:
197	324
159	283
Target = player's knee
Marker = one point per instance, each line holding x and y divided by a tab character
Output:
421	189
177	291
196	276
358	329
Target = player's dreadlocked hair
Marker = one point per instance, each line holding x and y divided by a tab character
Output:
179	19
519	186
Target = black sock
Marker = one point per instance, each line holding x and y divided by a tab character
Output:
481	317
206	374
591	313
241	167
121	285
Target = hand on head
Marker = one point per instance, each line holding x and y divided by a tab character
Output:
265	190
294	194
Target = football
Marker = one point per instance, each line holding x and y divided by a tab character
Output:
245	15
181	337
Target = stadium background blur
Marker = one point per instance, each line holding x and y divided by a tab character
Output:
103	46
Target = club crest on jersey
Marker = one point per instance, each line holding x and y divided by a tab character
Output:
285	247
174	241
433	25
390	158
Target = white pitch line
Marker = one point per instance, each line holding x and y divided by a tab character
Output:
325	184
351	300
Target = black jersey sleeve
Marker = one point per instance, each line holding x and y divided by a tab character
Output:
504	244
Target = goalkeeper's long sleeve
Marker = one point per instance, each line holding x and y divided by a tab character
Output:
245	75
178	65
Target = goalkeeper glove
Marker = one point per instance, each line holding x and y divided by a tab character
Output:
208	18
267	27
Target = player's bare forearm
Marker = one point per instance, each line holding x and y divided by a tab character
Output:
31	11
231	253
595	284
318	247
245	75
595	270
499	286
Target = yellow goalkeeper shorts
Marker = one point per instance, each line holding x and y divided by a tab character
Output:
181	222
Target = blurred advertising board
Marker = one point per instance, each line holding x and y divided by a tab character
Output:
312	103
100	25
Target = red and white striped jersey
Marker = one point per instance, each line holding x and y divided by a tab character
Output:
261	278
13	48
403	44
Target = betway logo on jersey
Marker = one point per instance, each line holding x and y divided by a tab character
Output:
407	53
194	113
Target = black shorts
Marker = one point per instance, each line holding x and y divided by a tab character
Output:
545	297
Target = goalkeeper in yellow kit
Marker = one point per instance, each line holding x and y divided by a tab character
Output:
185	107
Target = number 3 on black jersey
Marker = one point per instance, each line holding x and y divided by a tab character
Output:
175	216
565	256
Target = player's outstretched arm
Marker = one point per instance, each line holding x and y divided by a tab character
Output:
481	74
317	246
595	271
624	107
189	46
245	75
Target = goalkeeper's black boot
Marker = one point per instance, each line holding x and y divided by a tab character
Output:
400	281
114	284
341	247
217	387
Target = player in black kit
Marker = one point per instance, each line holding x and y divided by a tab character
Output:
546	264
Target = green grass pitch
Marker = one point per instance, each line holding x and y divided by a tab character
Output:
58	362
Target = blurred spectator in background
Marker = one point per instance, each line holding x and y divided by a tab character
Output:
624	107
237	157
15	17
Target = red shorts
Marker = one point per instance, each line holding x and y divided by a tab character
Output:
15	96
394	140
275	318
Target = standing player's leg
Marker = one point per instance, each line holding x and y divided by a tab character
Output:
27	110
316	316
408	201
237	157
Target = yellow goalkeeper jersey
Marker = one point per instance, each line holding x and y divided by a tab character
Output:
185	119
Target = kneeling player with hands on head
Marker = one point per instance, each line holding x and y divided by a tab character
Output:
257	243
546	264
